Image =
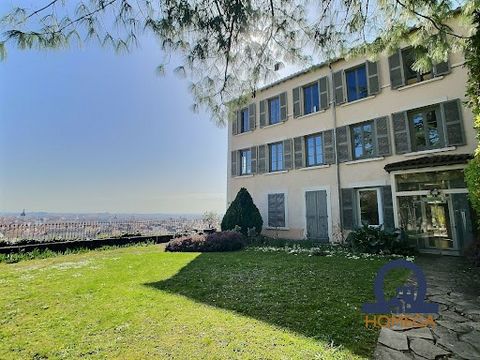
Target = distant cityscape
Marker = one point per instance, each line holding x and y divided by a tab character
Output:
45	227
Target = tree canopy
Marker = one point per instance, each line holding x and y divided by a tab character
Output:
230	47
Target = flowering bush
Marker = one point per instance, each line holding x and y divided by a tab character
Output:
218	241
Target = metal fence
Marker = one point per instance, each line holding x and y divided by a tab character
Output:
70	231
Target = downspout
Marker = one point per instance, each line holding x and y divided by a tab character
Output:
334	114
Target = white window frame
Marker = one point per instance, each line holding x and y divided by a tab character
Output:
246	165
379	206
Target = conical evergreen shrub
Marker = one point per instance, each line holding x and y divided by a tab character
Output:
242	212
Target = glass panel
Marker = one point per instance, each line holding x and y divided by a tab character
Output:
319	150
310	98
351	85
362	82
357	142
432	128
245	120
412	76
246	159
368	139
274	110
451	179
369	207
314	150
427	221
419	131
276	157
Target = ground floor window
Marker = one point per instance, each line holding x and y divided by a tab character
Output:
276	210
369	207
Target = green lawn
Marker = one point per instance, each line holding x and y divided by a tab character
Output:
140	302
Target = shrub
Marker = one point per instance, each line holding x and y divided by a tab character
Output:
473	252
375	240
219	241
243	213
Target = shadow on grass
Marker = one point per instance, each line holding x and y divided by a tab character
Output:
317	297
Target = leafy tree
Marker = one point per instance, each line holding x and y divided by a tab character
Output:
230	47
242	212
472	58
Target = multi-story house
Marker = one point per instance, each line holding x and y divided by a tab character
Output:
356	142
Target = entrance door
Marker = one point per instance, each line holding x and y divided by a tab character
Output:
317	215
429	221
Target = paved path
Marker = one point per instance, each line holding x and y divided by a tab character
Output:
455	286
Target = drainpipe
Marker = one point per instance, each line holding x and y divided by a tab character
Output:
334	112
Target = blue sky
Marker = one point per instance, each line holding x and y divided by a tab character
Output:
86	130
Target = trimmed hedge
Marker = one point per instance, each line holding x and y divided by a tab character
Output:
243	213
215	242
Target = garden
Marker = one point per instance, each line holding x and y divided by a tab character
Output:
229	294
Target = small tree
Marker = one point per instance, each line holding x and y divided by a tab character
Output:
244	213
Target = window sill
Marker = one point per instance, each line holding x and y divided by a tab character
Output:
272	125
315	167
364	160
421	83
243	176
357	101
244	133
276	172
310	114
277	228
432	151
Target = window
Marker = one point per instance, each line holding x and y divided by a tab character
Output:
276	156
274	111
370	207
246	162
356	80
311	101
425	128
363	140
244	120
276	210
412	76
314	150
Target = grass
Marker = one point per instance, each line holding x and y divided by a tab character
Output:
141	302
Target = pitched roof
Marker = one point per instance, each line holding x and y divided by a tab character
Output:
429	161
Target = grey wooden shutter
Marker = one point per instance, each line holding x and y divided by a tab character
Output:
349	220
382	136
395	65
372	76
283	106
323	92
263	113
338	86
234	163
344	152
328	147
401	133
442	68
387	202
235	123
252	115
299	152
276	210
253	151
453	123
287	154
297	106
262	159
